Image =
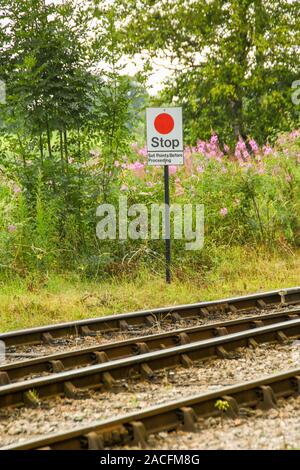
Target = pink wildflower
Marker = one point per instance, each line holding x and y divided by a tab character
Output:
11	228
254	146
134	146
124	187
267	149
136	166
226	148
142	152
295	134
201	147
16	189
224	211
116	163
172	169
200	169
214	139
288	178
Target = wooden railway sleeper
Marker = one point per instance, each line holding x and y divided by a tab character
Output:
233	308
55	366
141	348
296	382
257	324
4	378
188	418
86	331
146	372
100	357
150	320
108	380
186	361
71	391
261	303
47	338
252	343
123	325
181	338
204	312
267	398
221	352
223	308
281	336
176	317
139	434
233	410
97	441
93	441
220	331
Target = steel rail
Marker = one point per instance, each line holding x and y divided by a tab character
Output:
83	357
134	429
104	376
148	318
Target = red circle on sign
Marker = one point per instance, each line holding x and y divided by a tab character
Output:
164	123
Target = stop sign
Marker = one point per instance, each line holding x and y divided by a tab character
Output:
164	136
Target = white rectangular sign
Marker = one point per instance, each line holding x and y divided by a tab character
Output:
164	136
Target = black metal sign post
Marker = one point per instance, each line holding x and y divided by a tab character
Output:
167	224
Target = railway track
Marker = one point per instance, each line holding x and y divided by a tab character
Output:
59	362
137	321
104	376
134	429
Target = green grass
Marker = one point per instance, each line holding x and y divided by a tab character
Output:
55	298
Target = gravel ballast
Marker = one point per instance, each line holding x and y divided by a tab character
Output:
276	429
63	414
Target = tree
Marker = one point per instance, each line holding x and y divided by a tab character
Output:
235	61
44	63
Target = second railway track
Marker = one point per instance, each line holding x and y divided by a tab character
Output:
135	428
104	376
138	321
108	352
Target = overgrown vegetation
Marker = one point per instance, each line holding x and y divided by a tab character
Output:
234	62
44	299
72	118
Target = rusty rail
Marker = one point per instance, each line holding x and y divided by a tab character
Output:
133	429
59	362
105	375
148	318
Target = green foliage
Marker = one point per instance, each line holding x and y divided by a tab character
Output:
250	201
234	62
72	114
222	405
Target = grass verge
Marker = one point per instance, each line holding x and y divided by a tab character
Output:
55	298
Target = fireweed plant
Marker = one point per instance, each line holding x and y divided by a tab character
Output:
251	195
